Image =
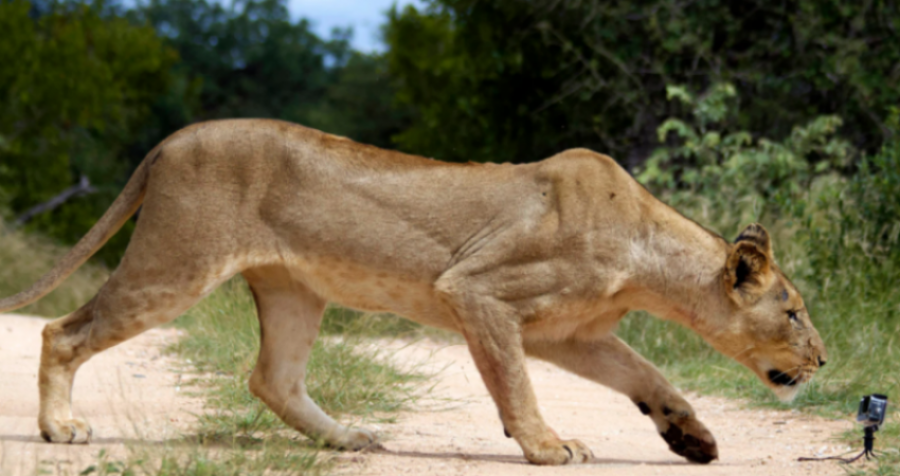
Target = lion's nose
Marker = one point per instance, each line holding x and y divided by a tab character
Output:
821	362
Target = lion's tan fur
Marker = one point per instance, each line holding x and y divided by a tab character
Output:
540	259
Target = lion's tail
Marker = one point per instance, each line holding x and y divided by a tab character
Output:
125	205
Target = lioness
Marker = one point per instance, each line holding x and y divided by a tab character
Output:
541	259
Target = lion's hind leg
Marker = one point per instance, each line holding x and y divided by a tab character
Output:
62	354
136	298
289	317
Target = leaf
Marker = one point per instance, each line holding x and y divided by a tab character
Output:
679	92
678	126
711	140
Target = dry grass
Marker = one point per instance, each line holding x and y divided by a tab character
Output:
24	258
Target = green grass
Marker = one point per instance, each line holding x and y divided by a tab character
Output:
223	340
340	321
194	460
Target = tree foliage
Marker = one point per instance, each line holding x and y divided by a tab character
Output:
74	86
93	87
522	79
705	156
253	60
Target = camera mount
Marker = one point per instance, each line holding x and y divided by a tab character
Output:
872	410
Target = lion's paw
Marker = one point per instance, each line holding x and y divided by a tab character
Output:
74	431
692	440
355	439
558	452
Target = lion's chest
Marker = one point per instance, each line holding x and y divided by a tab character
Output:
563	318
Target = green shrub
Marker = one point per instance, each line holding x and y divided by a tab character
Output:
858	228
707	161
75	85
519	80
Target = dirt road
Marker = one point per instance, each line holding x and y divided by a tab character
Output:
130	393
467	437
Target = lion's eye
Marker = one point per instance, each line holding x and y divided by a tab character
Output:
792	316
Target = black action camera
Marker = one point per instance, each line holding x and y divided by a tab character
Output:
872	409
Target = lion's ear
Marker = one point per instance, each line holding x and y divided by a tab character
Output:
748	270
756	234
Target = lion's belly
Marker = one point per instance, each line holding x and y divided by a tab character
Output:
356	287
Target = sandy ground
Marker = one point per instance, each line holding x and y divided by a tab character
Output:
457	430
130	394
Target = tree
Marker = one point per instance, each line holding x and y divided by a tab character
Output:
517	80
253	60
250	60
360	103
74	86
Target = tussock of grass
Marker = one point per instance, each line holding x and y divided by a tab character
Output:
342	321
26	257
199	461
223	339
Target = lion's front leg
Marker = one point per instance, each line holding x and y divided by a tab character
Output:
611	362
494	337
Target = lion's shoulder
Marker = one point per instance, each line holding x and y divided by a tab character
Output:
589	171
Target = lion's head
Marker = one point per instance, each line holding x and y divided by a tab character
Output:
769	328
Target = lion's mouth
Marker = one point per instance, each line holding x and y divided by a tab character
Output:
785	385
780	378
